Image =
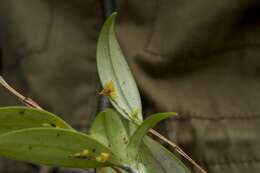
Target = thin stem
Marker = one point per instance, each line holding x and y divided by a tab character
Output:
25	100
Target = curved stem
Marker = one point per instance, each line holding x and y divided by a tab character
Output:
26	100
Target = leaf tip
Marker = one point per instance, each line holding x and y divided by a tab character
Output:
174	114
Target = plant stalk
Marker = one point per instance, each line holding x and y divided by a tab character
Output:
25	100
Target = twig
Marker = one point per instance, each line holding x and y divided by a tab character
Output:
25	100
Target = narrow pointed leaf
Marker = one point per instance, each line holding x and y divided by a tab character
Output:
54	147
157	159
137	138
109	130
14	118
113	69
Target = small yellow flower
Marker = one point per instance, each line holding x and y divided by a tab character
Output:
103	157
59	124
109	90
46	125
136	113
75	155
83	153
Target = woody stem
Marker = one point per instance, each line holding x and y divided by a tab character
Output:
25	100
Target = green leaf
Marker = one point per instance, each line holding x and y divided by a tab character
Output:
109	130
112	66
157	159
14	118
54	147
105	170
152	156
137	138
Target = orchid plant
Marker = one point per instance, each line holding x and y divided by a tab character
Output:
117	141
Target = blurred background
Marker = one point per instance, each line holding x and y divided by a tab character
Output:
198	58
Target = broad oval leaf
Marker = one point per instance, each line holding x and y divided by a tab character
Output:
137	138
114	72
14	118
54	147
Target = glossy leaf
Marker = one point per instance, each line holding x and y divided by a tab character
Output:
114	72
14	118
54	147
137	138
109	130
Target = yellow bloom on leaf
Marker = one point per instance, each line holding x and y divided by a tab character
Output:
109	90
83	153
103	157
